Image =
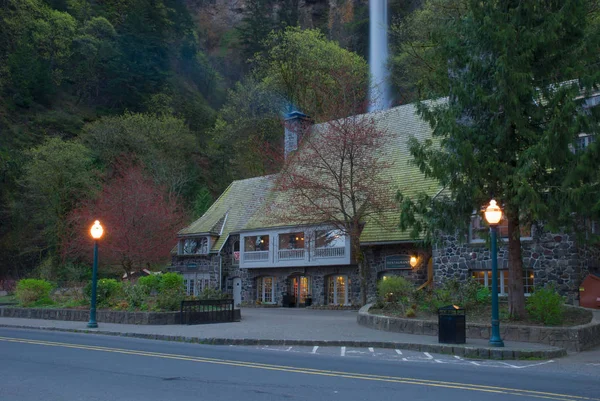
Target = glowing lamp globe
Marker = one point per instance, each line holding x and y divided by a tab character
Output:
96	230
493	213
413	261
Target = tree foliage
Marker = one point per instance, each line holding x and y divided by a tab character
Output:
140	221
515	73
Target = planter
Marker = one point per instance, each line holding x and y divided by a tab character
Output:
576	338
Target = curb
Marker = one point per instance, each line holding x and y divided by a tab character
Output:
466	351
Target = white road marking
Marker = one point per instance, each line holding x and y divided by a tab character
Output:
371	350
535	364
315	348
398	352
438	361
458	357
475	363
428	355
343	351
289	349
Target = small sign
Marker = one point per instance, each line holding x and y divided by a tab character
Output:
397	262
236	255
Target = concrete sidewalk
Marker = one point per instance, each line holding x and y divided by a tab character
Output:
289	326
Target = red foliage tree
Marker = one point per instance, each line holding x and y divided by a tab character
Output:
139	217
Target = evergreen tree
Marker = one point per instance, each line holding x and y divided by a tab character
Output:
515	75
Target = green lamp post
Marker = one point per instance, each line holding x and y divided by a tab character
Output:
493	215
96	231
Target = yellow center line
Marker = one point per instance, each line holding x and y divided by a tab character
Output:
310	371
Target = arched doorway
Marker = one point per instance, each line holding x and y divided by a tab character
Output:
300	290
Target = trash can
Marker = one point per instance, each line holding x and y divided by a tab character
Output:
452	325
286	300
308	300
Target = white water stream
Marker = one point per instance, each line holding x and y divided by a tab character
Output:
379	91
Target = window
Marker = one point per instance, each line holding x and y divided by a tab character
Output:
256	248
235	254
256	243
337	293
196	283
291	246
479	229
583	141
195	246
265	290
484	277
330	243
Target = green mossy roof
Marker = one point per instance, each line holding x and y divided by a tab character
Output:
244	202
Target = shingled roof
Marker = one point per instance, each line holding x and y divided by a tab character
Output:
232	210
242	206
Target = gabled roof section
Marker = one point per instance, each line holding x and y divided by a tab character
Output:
400	123
232	210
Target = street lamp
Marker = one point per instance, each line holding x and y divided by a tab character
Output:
96	231
493	215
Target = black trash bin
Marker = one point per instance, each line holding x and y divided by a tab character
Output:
452	325
308	300
286	300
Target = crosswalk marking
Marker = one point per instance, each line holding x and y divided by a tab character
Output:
398	352
371	350
315	348
343	351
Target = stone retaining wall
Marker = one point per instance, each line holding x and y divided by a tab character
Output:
576	338
77	315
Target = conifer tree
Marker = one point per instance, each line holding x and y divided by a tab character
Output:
516	75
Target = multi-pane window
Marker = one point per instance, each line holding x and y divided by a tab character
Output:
195	246
330	244
479	229
484	277
195	284
265	290
337	293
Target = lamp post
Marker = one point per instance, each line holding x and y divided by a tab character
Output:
96	231
493	215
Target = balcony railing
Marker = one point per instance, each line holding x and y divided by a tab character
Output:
256	256
336	252
291	254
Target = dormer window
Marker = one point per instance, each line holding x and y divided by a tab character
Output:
195	246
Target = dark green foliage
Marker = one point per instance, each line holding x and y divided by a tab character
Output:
171	292
151	282
546	306
212	293
108	292
514	73
33	292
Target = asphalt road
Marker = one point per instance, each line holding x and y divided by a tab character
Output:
39	365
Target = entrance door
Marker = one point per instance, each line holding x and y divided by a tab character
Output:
301	289
338	290
237	291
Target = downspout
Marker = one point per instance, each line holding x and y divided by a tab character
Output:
220	271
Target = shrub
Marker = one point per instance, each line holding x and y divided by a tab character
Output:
32	292
171	292
108	291
395	291
546	306
135	294
151	283
410	312
212	293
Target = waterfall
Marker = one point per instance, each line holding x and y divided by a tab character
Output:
379	91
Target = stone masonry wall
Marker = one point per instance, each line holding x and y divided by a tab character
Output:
375	257
554	258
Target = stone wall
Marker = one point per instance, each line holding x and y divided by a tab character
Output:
576	338
201	264
318	277
158	318
375	257
102	316
553	258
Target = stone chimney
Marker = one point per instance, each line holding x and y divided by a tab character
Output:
296	123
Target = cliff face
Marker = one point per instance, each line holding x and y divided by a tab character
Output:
340	20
